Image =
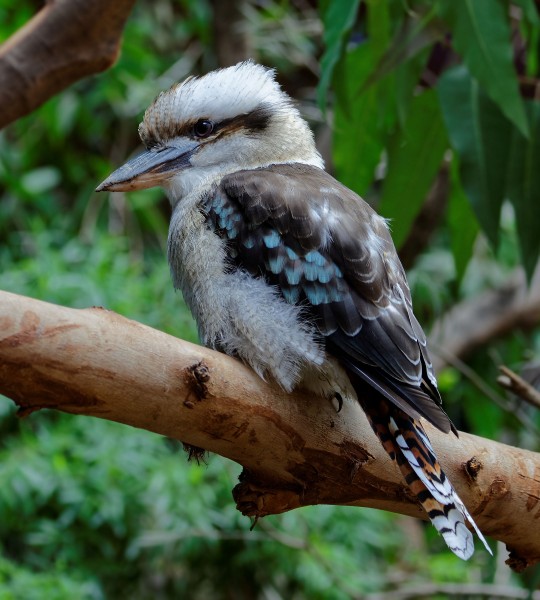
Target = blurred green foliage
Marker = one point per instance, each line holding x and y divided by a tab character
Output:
93	509
480	105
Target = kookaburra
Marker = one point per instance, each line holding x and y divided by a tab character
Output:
289	270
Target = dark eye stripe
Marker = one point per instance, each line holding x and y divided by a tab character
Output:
254	121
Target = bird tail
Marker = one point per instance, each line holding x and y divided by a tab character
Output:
408	445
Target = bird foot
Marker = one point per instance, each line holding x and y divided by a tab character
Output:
337	401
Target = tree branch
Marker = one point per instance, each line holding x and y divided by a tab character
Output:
474	322
295	449
517	385
459	590
227	26
427	220
66	41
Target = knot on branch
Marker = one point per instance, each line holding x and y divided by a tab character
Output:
196	379
472	467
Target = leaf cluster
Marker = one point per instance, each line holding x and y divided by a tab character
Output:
415	80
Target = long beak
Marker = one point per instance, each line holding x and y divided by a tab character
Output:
149	169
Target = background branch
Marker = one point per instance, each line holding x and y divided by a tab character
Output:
295	449
476	321
66	41
427	220
459	590
514	383
227	26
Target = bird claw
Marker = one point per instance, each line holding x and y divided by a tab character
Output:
337	398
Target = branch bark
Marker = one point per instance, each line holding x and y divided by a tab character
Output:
66	41
295	449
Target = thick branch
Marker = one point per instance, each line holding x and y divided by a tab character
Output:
296	449
66	41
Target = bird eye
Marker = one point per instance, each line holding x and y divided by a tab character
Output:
203	128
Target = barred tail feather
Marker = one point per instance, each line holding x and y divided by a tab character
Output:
430	472
407	443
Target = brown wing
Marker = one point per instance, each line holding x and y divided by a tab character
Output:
325	248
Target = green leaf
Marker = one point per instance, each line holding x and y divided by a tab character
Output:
496	160
357	138
481	34
378	23
462	223
41	180
338	17
379	28
413	161
415	33
361	120
407	76
523	188
480	134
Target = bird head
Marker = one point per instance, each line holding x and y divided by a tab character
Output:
206	127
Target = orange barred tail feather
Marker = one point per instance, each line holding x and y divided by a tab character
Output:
406	442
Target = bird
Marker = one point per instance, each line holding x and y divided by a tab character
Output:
290	271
